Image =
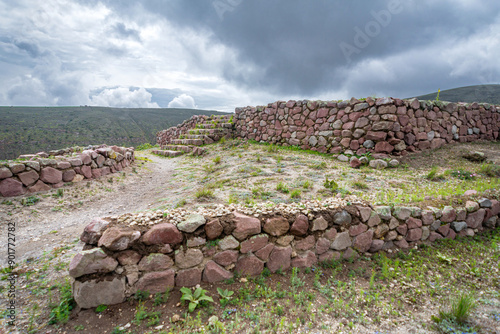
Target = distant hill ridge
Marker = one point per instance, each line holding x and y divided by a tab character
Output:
33	129
479	93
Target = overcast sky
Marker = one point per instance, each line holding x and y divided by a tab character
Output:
220	54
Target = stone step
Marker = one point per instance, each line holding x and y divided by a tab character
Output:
221	117
182	148
202	137
167	153
207	132
194	150
210	125
195	142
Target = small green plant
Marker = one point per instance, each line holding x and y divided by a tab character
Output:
222	140
281	187
161	298
307	184
119	330
360	185
60	313
101	308
319	165
463	174
330	184
295	193
272	148
59	193
145	146
141	295
225	296
437	96
489	170
217	159
79	328
433	175
195	298
28	201
181	203
455	316
204	193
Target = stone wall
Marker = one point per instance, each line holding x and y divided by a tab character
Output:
159	250
382	125
33	173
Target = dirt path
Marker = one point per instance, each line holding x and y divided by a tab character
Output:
56	221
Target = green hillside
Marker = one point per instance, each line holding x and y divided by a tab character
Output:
480	93
33	129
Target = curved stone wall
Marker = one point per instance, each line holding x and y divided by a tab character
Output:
159	250
382	125
33	173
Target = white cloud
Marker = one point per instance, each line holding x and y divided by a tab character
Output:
122	97
183	101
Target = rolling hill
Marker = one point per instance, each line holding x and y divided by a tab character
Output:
26	130
480	93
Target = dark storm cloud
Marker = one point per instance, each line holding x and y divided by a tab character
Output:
226	53
306	47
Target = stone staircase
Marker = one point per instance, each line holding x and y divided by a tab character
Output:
207	130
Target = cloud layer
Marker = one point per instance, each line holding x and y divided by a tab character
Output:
228	53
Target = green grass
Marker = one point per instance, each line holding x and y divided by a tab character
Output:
281	187
295	194
204	193
433	175
29	201
360	185
460	309
60	312
489	170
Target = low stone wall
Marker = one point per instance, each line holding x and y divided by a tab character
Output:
382	125
33	173
159	250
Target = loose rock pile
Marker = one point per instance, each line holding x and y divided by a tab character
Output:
33	173
158	250
382	125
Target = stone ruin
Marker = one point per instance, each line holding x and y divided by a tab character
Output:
32	173
160	250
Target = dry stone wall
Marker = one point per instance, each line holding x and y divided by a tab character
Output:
382	125
159	250
33	173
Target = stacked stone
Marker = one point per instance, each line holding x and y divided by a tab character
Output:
182	134
42	172
121	260
382	125
165	137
